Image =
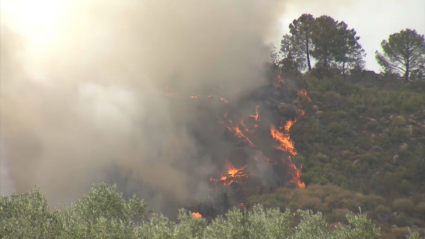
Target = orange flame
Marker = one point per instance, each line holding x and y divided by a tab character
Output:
278	82
301	112
304	92
296	174
256	113
196	215
194	97
289	124
239	133
280	79
222	99
286	144
244	126
232	174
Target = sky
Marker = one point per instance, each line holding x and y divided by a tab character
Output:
373	20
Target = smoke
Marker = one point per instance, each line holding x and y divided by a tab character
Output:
96	98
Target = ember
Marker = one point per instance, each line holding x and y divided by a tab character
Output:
222	99
196	215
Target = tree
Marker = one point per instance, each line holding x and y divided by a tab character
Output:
348	53
291	56
301	30
403	53
324	40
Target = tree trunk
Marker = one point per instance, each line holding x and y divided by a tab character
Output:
308	53
406	75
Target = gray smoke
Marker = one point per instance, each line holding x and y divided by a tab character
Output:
102	100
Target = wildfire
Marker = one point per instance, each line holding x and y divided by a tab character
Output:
256	114
304	92
301	112
194	97
239	133
280	79
232	174
296	174
289	125
278	82
288	146
284	139
196	215
222	99
171	94
244	126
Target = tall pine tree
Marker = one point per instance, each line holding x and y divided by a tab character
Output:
403	54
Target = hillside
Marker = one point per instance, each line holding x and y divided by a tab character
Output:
365	136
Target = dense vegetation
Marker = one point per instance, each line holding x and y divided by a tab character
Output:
104	213
361	144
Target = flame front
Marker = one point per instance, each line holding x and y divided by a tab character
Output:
304	92
255	117
278	82
196	215
232	174
289	125
284	139
238	132
287	145
301	112
296	174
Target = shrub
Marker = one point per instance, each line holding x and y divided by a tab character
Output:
403	205
420	210
103	213
402	220
405	188
370	202
383	209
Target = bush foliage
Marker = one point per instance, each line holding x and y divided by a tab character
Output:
104	213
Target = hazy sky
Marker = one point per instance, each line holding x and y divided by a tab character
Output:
374	20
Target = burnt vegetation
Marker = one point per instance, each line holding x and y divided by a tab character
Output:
321	134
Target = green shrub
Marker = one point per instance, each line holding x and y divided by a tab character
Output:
370	202
402	220
405	188
103	213
403	205
420	210
383	209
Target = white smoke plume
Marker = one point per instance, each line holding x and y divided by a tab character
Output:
96	96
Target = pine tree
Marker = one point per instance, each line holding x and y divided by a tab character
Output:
403	54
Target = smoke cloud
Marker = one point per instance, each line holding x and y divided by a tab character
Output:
97	100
